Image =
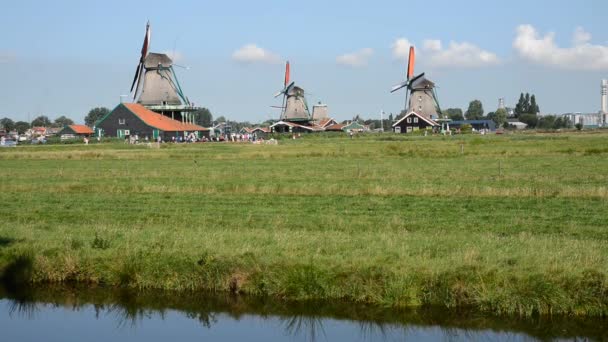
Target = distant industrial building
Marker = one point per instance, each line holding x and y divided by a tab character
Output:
587	120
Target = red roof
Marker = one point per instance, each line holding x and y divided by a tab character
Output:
336	127
81	129
160	121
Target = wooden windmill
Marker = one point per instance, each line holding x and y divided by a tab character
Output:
156	86
295	107
421	91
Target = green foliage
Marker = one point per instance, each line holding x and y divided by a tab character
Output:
63	121
530	119
7	124
454	114
203	117
579	126
475	111
95	115
526	105
499	117
21	126
41	121
100	242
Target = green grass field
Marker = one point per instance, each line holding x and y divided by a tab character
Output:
512	224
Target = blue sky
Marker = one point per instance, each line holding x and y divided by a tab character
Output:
65	57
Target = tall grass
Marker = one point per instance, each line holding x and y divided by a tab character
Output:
514	225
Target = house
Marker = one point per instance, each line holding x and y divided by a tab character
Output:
292	127
516	123
354	127
257	131
334	128
52	131
413	122
72	131
35	132
324	123
134	119
477	125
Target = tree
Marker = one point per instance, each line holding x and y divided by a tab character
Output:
203	117
530	119
62	121
7	124
500	117
454	114
390	118
519	108
221	119
94	115
475	111
21	126
41	121
533	106
527	108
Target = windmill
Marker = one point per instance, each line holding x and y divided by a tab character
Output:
294	108
421	91
156	86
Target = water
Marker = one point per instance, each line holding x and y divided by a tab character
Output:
96	314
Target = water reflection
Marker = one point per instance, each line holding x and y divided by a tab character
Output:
312	321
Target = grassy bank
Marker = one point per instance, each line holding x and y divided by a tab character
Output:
509	224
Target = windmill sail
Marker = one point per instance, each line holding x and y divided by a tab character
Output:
140	67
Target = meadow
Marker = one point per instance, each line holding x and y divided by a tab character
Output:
508	224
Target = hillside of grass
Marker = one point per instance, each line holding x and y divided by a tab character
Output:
512	224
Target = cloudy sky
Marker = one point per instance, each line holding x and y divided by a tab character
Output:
65	57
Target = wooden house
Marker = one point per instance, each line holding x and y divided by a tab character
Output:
76	131
134	119
413	122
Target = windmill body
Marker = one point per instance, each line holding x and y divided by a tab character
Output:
296	108
422	99
159	86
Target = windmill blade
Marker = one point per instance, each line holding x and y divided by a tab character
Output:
416	78
136	76
410	63
287	74
139	80
399	86
284	90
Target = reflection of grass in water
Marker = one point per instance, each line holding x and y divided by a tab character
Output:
405	222
308	327
130	307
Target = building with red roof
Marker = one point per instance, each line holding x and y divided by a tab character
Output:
76	130
134	119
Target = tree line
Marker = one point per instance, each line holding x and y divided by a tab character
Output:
526	111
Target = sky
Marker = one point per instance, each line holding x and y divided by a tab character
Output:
66	57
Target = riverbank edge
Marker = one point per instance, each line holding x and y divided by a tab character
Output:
495	291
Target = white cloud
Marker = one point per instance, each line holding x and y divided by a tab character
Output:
252	53
543	50
355	59
432	45
464	55
455	55
401	48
